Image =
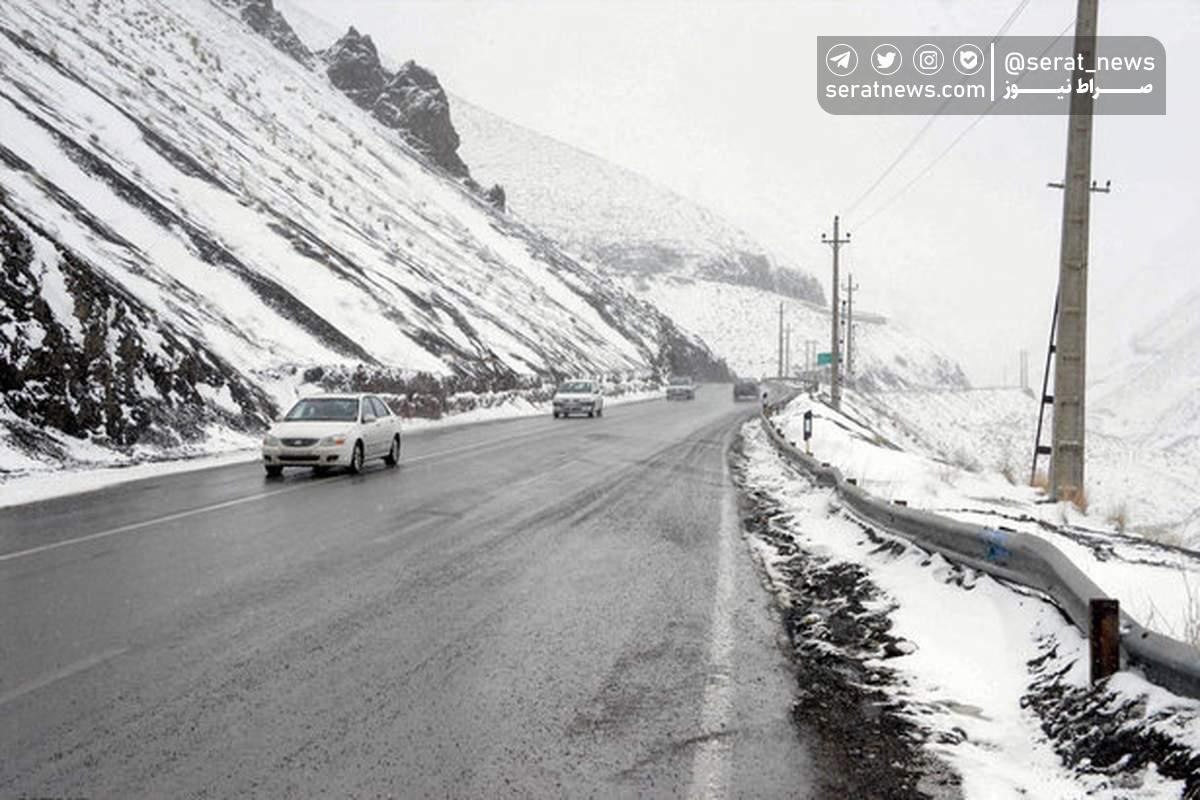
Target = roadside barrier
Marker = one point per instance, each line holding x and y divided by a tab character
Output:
1020	558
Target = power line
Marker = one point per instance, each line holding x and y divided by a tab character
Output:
962	135
904	151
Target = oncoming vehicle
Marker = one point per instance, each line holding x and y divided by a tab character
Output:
745	389
681	387
578	396
336	430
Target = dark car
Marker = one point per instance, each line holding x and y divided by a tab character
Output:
681	388
744	389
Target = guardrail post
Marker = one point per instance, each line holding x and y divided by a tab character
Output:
1105	637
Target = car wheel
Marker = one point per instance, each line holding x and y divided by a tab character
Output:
356	459
393	456
591	414
556	414
274	471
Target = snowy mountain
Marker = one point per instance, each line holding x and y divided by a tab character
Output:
742	324
612	216
704	273
194	218
1146	400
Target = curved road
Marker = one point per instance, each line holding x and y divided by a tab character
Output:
528	608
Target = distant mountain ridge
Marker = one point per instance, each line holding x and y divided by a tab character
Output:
615	217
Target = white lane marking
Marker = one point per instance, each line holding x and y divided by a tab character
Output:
134	526
711	762
58	675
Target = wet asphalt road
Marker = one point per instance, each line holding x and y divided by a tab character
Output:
531	608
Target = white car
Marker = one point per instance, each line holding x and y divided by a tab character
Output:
334	430
578	396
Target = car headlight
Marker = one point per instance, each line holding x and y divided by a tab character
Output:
270	441
333	441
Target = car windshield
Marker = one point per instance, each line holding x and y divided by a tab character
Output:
681	381
575	387
324	409
745	384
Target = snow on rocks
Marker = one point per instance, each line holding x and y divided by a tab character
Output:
963	687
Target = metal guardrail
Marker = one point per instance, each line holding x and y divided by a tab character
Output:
1017	557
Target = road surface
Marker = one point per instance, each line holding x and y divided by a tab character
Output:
528	608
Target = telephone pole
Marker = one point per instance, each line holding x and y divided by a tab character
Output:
851	287
1070	355
787	349
780	372
835	366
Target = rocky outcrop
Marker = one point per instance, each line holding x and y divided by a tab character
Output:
265	19
353	67
80	355
496	196
410	101
414	103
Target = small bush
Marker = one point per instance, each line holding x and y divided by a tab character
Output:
1119	518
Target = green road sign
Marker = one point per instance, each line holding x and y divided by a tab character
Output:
824	358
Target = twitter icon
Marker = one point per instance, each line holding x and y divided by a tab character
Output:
886	59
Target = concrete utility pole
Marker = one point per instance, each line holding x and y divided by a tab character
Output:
787	350
851	287
780	372
835	366
1070	356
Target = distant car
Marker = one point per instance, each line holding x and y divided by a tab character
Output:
578	396
681	388
335	430
745	389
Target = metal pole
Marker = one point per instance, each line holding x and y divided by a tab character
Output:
1104	637
835	368
1070	357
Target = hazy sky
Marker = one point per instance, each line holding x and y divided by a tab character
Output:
718	102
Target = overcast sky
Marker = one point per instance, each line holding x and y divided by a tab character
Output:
718	102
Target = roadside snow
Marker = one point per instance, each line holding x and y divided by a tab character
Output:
971	639
952	465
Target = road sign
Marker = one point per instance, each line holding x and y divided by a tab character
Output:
824	358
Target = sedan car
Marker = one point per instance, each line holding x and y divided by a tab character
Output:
578	396
681	388
336	430
745	389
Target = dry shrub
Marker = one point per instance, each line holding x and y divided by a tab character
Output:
1041	482
1119	518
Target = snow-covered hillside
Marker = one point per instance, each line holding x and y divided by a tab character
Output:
613	216
1132	484
192	215
742	324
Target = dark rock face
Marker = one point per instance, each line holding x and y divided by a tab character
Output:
81	355
263	18
353	67
410	101
414	103
495	195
